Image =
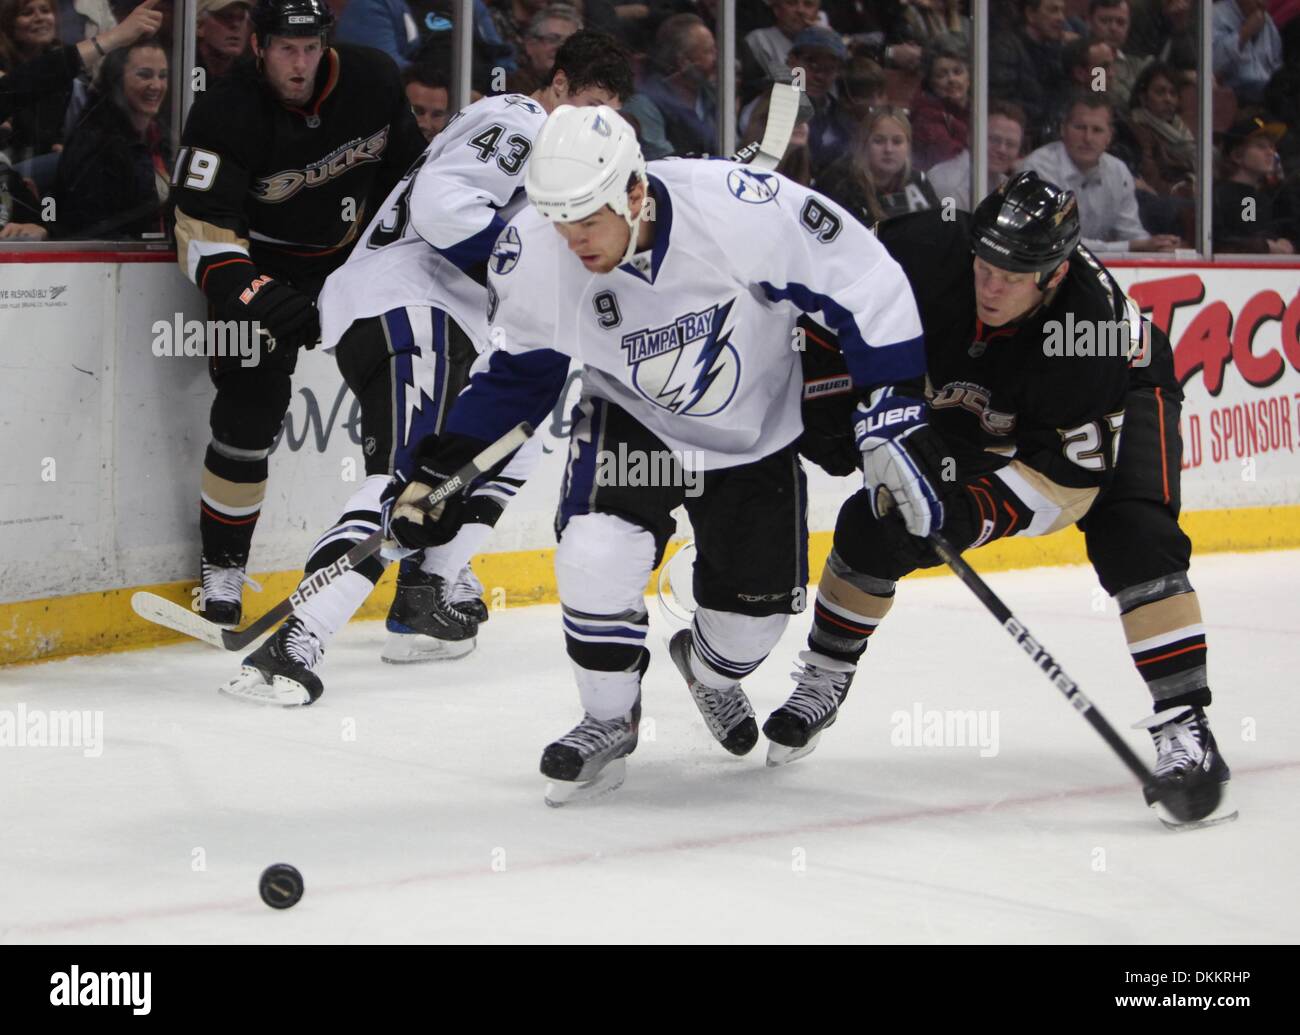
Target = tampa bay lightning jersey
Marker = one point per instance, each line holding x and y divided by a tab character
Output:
695	338
428	244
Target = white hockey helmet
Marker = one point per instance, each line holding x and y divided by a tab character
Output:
582	160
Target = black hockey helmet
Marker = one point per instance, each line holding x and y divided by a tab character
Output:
291	18
1028	225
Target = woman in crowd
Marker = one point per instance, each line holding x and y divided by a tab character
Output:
1166	168
941	113
875	180
113	179
36	78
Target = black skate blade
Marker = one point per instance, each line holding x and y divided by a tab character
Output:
251	686
570	792
1179	813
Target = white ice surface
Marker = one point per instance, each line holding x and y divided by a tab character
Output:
409	797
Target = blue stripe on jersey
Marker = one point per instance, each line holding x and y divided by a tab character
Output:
663	218
869	365
577	495
630	632
470	256
514	387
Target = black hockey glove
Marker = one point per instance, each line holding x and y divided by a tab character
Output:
408	519
284	313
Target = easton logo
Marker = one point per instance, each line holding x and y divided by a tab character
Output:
282	186
689	366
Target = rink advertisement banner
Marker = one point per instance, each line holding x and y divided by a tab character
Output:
1236	338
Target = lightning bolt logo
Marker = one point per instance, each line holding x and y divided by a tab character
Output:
694	369
420	383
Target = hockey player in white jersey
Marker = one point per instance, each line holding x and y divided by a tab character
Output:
677	288
406	317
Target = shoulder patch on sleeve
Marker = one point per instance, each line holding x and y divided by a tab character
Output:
506	251
752	185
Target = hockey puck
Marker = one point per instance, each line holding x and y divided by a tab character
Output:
280	886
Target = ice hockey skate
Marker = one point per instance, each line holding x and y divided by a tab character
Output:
424	624
222	593
591	759
1188	760
280	670
727	713
821	684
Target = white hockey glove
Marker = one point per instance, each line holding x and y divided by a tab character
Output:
900	456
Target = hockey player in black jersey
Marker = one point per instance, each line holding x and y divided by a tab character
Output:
1017	432
277	173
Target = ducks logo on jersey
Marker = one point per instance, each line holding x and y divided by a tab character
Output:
689	366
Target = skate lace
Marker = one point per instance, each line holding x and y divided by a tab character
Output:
225	583
466	587
1180	745
593	735
726	708
816	694
301	645
449	605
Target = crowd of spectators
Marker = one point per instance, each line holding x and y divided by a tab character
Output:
1098	95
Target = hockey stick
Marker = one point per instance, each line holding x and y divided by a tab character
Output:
782	113
1183	804
164	612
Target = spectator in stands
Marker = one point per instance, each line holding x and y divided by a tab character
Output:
1006	137
676	106
222	29
386	25
429	91
1165	30
512	18
1108	209
113	179
1089	65
1245	219
796	163
862	87
1108	22
550	27
1165	154
1168	158
1025	66
1247	48
764	53
875	179
82	19
925	21
28	35
817	58
941	113
1282	95
55	70
20	208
